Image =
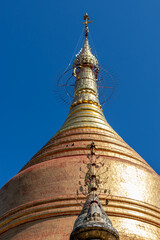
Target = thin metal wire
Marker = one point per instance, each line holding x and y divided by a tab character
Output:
94	48
75	50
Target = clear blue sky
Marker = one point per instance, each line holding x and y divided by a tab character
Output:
37	41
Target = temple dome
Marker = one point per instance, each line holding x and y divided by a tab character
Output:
39	202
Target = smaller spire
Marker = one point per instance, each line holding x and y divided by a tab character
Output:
93	222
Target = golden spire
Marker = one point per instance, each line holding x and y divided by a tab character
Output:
85	70
85	110
85	56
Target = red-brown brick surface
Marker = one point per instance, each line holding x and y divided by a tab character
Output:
39	202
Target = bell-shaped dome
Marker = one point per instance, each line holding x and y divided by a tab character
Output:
39	202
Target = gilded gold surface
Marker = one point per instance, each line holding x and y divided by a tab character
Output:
134	186
130	216
85	88
45	187
135	229
85	56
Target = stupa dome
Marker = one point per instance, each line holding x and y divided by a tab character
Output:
39	202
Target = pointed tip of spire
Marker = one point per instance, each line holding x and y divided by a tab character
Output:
93	222
86	18
85	56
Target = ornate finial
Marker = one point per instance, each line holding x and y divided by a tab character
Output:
86	18
85	56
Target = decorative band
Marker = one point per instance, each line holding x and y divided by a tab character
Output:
85	101
118	207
